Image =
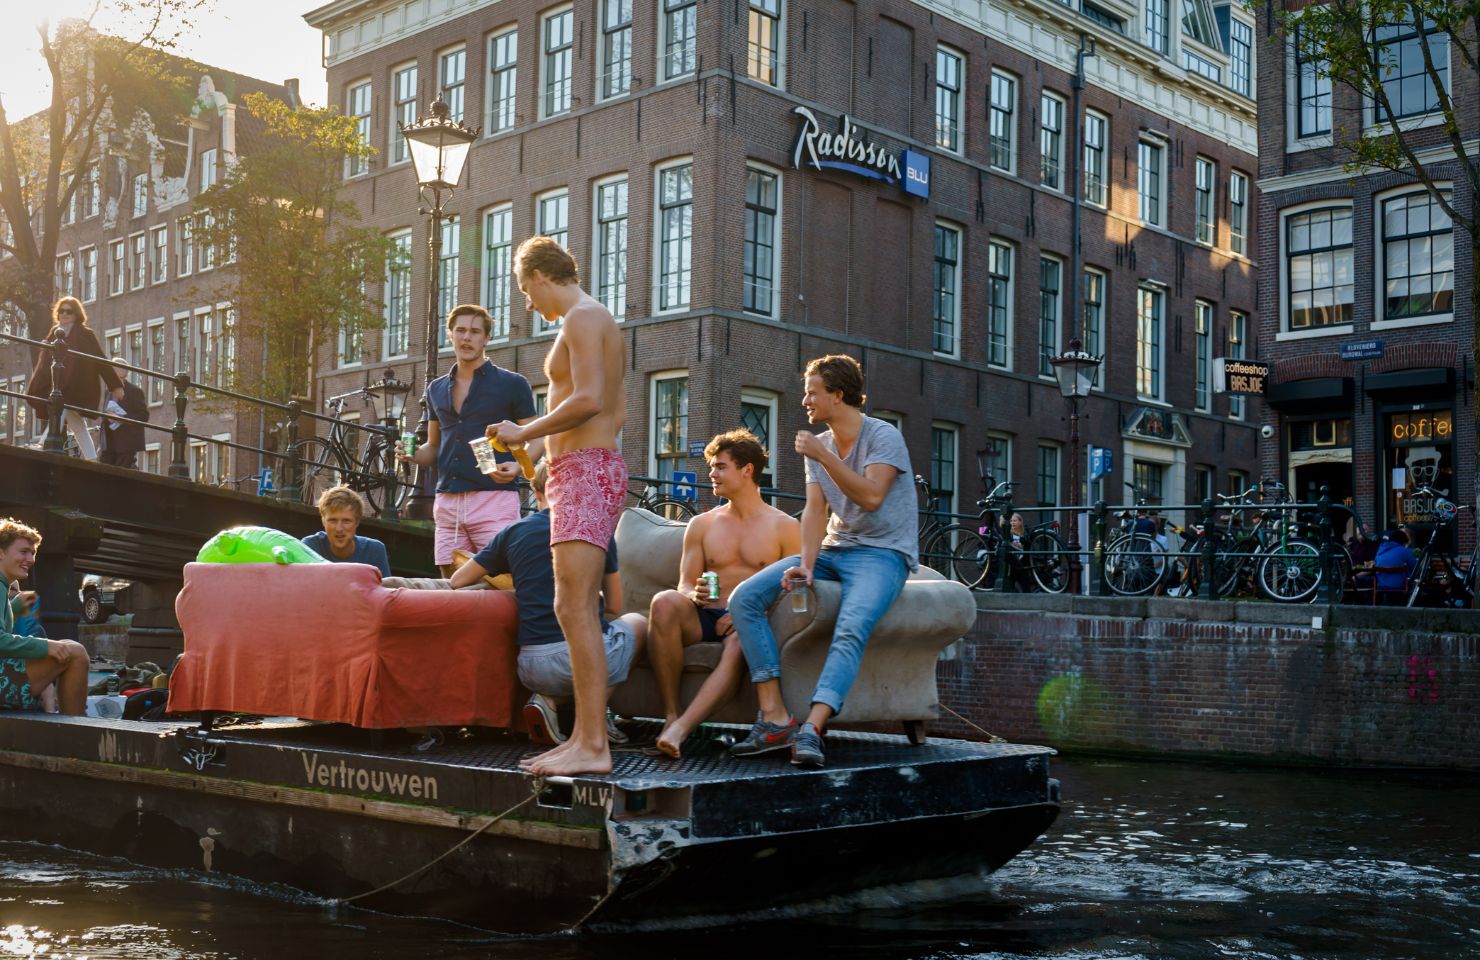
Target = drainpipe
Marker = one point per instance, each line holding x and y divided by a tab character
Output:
1076	83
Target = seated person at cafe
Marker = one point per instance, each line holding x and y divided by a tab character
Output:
1392	554
340	510
28	665
522	549
741	537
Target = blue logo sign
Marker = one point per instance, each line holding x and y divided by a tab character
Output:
684	485
916	174
1101	462
1361	350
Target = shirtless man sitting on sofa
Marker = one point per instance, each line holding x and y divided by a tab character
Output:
737	539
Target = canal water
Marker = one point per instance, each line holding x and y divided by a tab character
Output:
1148	860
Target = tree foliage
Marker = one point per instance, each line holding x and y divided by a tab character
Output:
302	261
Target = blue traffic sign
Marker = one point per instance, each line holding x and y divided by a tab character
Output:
264	482
1101	462
684	485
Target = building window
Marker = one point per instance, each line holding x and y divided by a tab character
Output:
61	277
557	64
761	198
1047	478
155	361
670	425
552	217
999	304
675	235
503	58
946	282
207	169
205	253
116	269
351	345
1002	147
1050	274
1096	141
134	346
447	276
948	71
1199	64
758	415
1418	257
616	47
206	346
1241	56
611	245
1238	213
680	37
357	105
1406	85
1203	481
763	49
141	194
1094	318
138	266
159	254
1318	245
943	439
452	75
498	262
1312	90
88	263
403	113
92	191
398	297
184	246
184	353
1157	32
1202	329
1148	342
1238	324
1051	142
1207	180
1150	157
1147	479
151	458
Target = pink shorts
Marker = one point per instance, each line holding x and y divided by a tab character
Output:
585	490
467	521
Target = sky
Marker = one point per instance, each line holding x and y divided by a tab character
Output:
266	39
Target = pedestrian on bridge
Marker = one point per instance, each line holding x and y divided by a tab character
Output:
80	374
124	441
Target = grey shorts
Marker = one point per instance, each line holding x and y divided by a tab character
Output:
545	668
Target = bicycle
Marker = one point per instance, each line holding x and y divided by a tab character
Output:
1451	586
1135	562
650	497
331	461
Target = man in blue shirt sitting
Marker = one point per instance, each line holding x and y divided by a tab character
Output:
522	550
340	509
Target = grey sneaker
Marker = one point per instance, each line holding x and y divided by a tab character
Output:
765	737
542	720
806	749
614	733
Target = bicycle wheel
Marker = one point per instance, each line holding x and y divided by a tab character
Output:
958	553
1228	567
671	508
384	479
1048	558
1134	564
1291	572
936	551
318	466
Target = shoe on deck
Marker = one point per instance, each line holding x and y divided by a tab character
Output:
806	749
765	737
543	721
614	734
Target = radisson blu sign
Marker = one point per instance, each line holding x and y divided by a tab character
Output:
850	149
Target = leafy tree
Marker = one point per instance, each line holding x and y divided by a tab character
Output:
301	261
1360	46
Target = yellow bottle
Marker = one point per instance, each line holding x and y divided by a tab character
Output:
520	454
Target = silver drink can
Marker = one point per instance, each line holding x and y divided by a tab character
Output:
711	579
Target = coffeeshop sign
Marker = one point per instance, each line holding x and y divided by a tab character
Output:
851	149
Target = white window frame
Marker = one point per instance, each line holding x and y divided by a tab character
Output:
1157	207
450	264
1055	336
1283	266
1238	213
138	260
87	292
660	274
402	109
153	450
140	184
1380	320
1055	154
618	303
1057	450
1095	343
956	294
552	103
128	345
1158	373
771	14
1251	63
613	37
1294	139
1008	308
766	398
652	418
184	246
385	341
999	79
1204	319
1238	334
502	114
159	254
561	236
1103	154
156	387
953	430
66	275
497	288
117	258
773	308
952	128
207	169
363	121
1205	184
459	89
688	59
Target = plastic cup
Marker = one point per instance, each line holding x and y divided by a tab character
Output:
799	599
483	450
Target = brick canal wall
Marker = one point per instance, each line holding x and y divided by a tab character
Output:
1344	686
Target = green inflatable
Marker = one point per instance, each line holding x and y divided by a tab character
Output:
256	545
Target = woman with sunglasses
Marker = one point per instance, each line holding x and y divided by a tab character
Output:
79	375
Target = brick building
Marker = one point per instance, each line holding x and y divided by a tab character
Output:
151	291
750	186
1364	300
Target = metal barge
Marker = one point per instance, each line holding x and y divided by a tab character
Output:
460	832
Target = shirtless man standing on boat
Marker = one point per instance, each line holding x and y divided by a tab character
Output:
735	540
588	480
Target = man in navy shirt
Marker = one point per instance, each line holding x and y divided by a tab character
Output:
522	549
340	510
471	506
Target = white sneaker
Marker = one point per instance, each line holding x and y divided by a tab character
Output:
614	733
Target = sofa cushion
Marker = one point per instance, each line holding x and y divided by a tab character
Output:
649	550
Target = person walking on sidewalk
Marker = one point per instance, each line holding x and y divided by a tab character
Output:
80	375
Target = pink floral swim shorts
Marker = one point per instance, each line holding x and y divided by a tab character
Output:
585	490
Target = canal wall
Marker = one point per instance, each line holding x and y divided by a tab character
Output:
1322	685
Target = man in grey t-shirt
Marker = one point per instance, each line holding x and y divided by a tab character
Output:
859	471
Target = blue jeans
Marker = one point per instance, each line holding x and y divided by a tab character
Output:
871	579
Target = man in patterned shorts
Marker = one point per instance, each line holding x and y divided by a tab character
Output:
29	665
588	480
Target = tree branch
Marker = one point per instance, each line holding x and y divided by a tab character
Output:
1446	105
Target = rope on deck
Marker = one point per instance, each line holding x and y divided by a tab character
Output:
991	737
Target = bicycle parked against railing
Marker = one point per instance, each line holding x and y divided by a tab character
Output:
971	552
330	461
651	497
1438	580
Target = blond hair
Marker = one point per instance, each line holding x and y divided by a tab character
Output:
341	498
548	257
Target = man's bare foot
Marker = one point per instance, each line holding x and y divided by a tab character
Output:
528	762
672	738
572	760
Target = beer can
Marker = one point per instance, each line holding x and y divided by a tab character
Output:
408	444
712	580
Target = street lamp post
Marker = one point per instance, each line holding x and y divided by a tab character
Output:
1075	371
439	149
392	394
